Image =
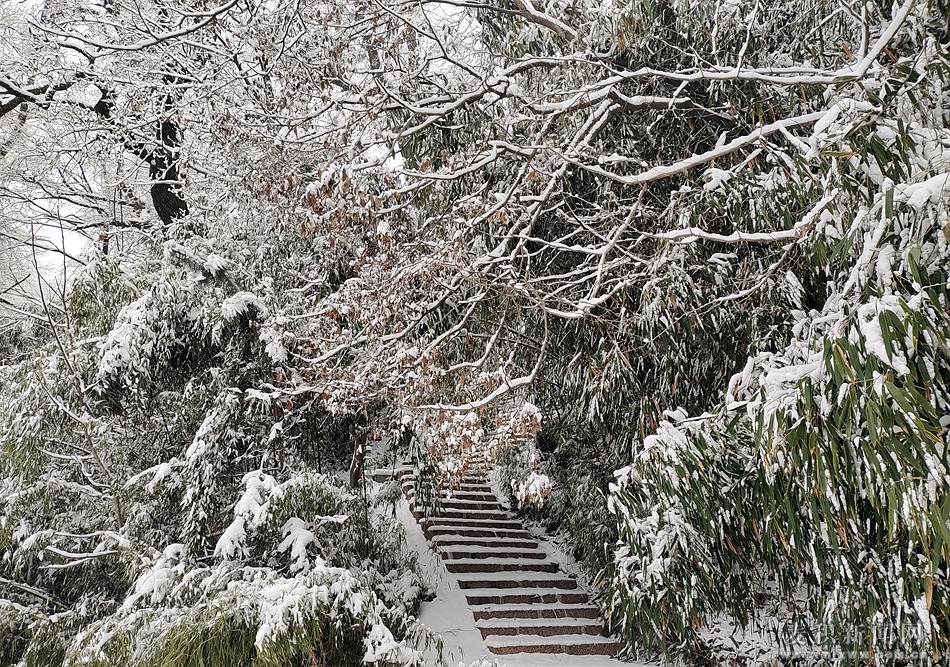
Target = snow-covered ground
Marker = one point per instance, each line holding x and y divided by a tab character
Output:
448	614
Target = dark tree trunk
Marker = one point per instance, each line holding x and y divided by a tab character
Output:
162	160
360	436
163	168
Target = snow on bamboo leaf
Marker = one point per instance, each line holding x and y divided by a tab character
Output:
243	303
534	489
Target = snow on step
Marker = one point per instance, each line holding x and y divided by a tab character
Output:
467	506
501	543
508	532
462	505
481	487
471	505
478	496
462	492
542	627
546	611
481	515
571	644
506	524
472	495
543	580
490	596
468	517
458	505
498	565
432	531
494	551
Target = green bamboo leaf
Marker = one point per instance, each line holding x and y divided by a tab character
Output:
938	521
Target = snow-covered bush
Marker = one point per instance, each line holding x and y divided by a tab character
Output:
180	615
533	489
820	475
161	509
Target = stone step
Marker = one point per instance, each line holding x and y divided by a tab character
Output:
484	497
539	610
431	532
459	542
498	524
483	596
542	627
570	644
458	484
470	505
456	503
476	488
498	565
460	505
409	484
447	506
498	551
486	515
542	580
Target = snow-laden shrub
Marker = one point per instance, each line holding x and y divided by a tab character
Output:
687	511
821	478
180	614
99	291
162	504
533	489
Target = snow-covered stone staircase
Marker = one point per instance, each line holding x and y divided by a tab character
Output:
521	602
